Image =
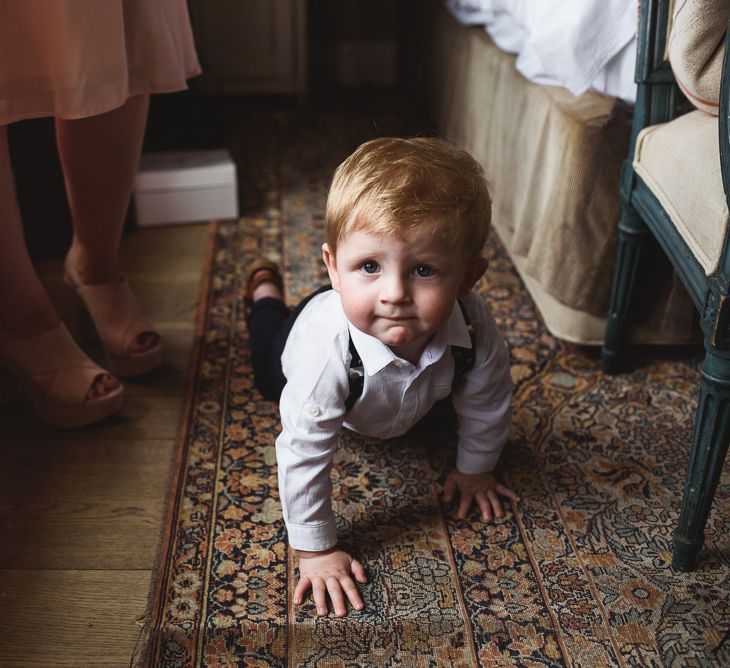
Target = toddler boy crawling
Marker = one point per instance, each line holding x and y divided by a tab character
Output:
406	222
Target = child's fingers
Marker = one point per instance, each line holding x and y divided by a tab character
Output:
505	491
352	593
319	594
484	504
338	600
301	589
358	570
495	503
464	505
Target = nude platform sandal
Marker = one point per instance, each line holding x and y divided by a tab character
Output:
57	376
118	322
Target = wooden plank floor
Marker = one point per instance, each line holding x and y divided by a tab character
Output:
80	510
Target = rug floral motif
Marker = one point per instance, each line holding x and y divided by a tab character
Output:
577	573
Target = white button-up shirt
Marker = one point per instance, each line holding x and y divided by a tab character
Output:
396	395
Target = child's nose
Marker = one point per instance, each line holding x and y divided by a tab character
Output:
395	290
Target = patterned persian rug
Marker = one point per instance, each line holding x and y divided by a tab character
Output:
578	573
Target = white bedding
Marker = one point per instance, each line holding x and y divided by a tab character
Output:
578	44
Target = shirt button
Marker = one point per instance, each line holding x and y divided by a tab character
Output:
314	410
399	364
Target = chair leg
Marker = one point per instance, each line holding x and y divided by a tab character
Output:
707	454
632	233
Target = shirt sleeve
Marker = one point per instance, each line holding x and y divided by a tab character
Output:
312	408
483	402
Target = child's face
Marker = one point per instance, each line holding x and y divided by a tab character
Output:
400	291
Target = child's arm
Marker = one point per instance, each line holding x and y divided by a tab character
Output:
328	572
312	411
483	405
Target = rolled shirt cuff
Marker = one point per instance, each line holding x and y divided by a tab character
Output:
312	537
472	463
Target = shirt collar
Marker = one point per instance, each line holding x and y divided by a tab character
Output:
454	332
376	355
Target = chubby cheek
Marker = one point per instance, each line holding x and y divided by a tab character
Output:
358	308
436	310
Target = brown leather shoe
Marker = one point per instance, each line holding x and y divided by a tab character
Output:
260	272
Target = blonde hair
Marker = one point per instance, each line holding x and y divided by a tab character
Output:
392	186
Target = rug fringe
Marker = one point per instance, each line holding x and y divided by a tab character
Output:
140	654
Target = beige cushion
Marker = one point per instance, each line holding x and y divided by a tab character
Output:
680	162
696	46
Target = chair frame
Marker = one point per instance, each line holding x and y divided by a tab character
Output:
658	101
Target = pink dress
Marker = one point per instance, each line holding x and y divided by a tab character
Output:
76	58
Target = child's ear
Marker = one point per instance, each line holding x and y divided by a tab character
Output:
474	272
331	264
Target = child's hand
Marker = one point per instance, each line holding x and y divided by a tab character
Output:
329	572
482	487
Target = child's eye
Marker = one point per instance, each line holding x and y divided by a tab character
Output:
424	271
370	267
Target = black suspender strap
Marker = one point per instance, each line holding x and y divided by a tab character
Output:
463	357
463	361
356	377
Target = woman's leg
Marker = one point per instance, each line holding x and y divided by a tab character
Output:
100	157
26	310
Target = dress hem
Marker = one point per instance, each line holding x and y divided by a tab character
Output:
110	105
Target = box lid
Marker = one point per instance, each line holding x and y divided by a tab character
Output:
184	169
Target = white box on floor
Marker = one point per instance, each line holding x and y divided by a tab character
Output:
185	186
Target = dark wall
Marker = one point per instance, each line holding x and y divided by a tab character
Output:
352	43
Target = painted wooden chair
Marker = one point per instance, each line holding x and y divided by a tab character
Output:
675	186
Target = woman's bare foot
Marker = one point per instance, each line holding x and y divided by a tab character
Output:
103	385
